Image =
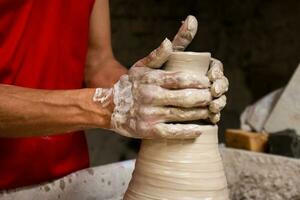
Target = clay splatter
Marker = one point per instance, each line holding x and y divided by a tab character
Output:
47	188
90	171
62	184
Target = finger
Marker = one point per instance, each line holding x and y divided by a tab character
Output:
186	98
218	104
216	70
136	73
185	34
170	114
214	117
175	80
219	87
157	57
177	131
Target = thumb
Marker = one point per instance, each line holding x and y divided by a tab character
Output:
186	33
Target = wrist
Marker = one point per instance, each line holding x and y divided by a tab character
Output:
97	105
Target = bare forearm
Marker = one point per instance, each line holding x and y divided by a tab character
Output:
31	112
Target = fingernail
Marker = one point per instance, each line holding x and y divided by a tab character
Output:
217	89
191	22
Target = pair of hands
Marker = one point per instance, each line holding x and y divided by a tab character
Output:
148	98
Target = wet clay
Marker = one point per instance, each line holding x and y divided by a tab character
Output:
187	169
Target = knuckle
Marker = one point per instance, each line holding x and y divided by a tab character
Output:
216	61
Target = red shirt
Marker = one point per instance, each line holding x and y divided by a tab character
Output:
43	44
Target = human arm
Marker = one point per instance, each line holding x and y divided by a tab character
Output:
102	69
33	112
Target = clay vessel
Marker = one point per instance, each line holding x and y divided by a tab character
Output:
181	169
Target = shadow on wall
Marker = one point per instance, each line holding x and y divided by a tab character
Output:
257	41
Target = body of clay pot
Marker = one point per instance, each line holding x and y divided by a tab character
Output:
180	169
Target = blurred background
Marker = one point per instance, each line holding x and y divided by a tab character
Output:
257	41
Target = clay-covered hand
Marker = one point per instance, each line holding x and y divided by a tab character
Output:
149	100
219	83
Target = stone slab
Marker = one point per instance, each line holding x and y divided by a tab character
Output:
255	116
259	176
286	113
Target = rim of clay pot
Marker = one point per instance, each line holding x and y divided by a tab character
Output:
191	53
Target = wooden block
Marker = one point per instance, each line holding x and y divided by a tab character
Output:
251	141
286	113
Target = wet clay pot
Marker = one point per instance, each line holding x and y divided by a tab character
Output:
189	169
